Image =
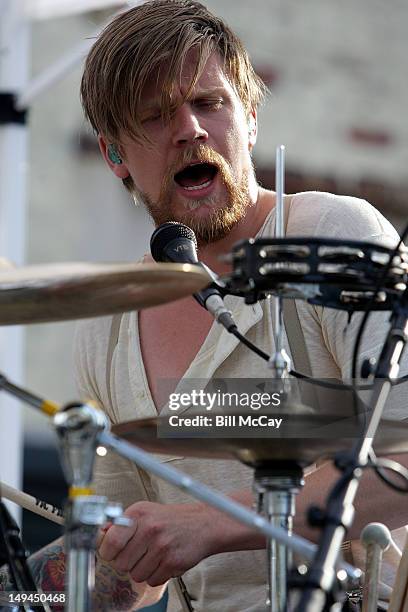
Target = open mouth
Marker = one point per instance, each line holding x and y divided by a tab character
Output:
196	176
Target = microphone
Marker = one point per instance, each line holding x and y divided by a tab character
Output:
175	242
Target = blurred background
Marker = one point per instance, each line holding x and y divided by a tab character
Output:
338	102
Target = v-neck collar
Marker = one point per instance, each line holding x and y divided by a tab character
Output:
216	348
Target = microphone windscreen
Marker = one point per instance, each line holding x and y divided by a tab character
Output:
166	233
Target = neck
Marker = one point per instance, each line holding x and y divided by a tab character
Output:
246	228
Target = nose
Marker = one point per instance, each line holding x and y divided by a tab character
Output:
186	127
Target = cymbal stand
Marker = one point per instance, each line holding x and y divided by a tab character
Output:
78	427
276	485
80	416
339	514
276	491
279	361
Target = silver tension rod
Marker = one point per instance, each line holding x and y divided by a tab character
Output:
279	361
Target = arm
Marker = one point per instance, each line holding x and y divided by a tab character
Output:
372	503
113	590
170	539
167	540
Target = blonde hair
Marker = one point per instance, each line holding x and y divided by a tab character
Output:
133	48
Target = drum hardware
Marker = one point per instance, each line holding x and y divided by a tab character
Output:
60	292
357	297
276	486
395	254
338	516
376	538
86	514
259	452
289	267
296	291
279	361
78	427
344	254
203	493
323	271
82	428
275	250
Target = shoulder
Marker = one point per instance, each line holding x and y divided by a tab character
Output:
91	336
326	214
91	354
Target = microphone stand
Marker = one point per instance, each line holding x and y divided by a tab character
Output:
338	516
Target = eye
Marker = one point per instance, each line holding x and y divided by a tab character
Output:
151	116
151	119
212	104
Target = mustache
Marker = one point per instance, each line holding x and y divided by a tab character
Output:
200	153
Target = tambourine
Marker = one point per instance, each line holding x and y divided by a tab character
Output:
347	275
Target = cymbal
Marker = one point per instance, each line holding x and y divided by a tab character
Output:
392	437
59	292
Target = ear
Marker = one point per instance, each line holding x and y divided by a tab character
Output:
119	170
252	129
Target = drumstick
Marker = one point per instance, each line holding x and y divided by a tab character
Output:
376	538
31	503
399	597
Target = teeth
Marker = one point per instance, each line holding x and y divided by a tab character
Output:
198	187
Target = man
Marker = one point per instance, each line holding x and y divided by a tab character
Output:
172	95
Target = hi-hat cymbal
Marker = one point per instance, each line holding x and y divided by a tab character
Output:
304	449
59	292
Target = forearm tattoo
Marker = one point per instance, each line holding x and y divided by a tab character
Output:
48	570
113	591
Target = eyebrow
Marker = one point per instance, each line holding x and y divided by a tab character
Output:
210	92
